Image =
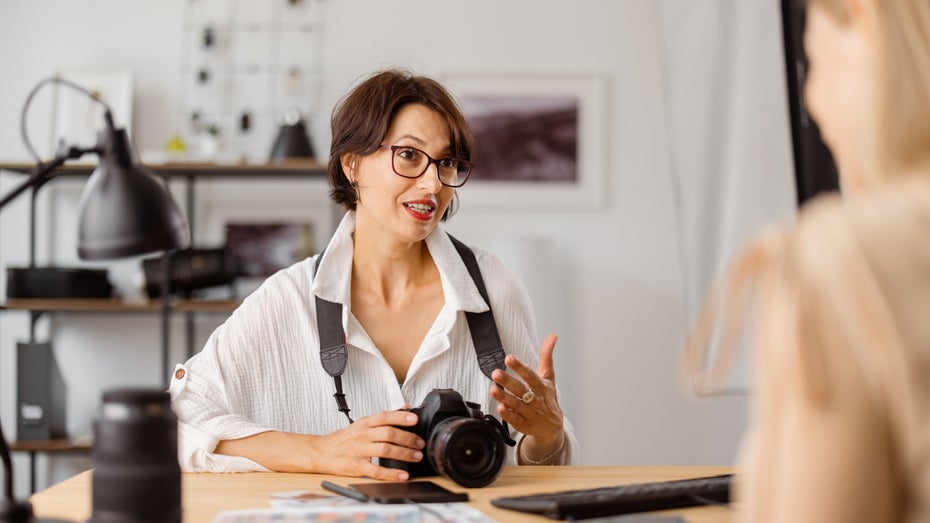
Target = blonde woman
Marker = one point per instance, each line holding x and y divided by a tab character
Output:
840	300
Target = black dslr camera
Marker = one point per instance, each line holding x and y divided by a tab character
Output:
462	443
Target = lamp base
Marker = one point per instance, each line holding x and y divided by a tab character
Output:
57	282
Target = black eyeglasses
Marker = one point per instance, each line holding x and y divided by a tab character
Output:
411	162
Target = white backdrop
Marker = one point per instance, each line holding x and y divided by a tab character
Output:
730	152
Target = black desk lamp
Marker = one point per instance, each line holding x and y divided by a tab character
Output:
125	211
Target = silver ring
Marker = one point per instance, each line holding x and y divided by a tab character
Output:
528	397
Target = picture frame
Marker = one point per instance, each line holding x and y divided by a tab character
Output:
76	118
264	202
305	204
261	249
540	139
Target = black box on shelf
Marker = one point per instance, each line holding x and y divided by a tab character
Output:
57	282
41	399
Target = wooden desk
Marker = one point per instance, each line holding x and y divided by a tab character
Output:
205	495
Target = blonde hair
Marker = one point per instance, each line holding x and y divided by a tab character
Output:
902	82
849	275
837	301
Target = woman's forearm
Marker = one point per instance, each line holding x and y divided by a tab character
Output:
274	450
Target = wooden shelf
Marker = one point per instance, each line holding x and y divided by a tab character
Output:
116	305
277	169
49	445
206	305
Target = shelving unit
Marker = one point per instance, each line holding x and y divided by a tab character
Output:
51	445
190	173
167	305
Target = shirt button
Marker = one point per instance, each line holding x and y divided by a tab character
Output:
178	374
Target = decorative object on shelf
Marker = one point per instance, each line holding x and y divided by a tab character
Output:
40	393
190	269
57	282
292	140
176	146
211	141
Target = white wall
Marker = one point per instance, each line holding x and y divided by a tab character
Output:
617	294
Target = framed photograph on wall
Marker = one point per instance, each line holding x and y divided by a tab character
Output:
77	118
540	140
261	249
297	218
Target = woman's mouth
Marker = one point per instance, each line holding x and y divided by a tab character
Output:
421	210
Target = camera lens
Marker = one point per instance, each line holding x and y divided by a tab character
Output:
467	450
136	478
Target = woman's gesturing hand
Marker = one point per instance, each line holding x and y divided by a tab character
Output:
528	400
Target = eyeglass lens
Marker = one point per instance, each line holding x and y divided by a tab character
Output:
411	163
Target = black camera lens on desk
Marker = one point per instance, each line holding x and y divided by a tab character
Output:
137	478
462	443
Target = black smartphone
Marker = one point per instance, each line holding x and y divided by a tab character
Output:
409	491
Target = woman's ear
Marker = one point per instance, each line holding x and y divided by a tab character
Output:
349	163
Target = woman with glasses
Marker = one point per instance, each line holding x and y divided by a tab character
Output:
258	397
840	430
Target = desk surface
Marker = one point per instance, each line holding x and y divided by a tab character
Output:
205	495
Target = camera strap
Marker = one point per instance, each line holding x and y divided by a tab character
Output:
483	329
333	353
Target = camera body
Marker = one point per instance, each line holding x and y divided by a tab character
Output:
462	443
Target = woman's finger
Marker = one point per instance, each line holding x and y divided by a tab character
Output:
531	380
546	369
510	383
397	436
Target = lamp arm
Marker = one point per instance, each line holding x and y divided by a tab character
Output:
40	172
57	80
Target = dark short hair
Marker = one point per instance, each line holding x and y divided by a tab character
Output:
362	118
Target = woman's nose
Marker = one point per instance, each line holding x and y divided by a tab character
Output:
430	179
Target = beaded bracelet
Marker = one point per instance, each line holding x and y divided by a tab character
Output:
546	458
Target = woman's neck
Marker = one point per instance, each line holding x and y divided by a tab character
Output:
390	269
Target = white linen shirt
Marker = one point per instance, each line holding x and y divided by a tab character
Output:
261	370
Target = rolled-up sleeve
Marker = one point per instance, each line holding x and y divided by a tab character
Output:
221	393
198	398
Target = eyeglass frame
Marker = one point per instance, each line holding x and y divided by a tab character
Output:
429	161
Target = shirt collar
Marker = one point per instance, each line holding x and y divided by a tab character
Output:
335	271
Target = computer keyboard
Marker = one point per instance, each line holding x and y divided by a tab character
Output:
623	499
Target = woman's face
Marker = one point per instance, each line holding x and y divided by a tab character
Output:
838	89
406	208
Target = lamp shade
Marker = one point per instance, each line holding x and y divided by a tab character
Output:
125	209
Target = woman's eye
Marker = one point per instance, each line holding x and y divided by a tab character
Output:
411	155
448	163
